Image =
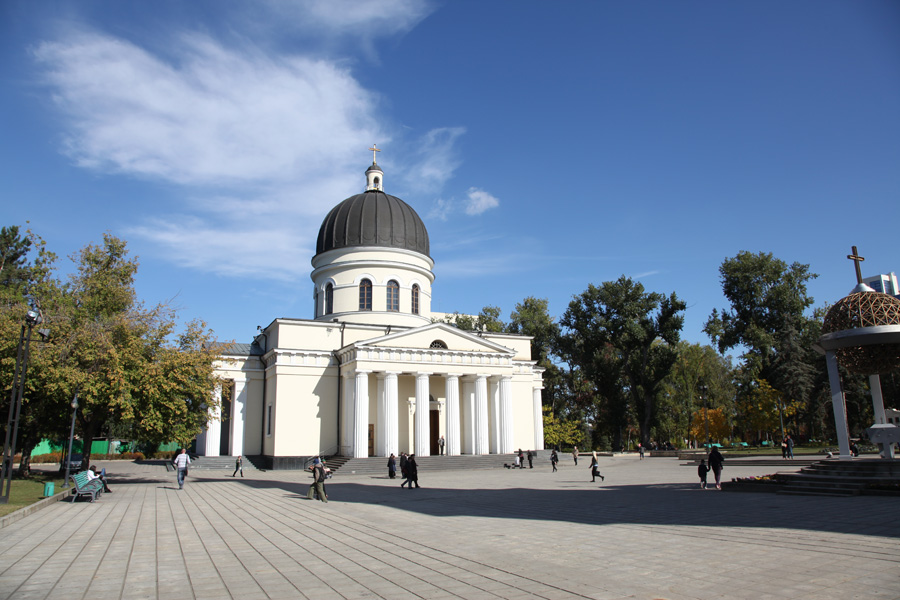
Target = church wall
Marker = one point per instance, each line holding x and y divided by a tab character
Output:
523	412
253	415
521	344
306	411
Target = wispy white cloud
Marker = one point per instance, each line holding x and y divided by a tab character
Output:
219	116
259	133
432	160
478	201
645	274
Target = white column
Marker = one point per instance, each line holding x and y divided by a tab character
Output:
214	426
361	415
506	417
481	415
388	438
467	414
494	410
422	434
538	419
451	385
837	404
346	442
238	417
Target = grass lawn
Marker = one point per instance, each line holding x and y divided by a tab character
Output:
28	491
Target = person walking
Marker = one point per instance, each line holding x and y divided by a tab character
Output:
404	468
441	443
575	455
641	450
238	466
181	463
521	458
790	448
716	461
702	470
392	467
318	484
554	459
595	463
412	471
530	458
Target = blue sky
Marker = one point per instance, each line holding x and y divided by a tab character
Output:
546	145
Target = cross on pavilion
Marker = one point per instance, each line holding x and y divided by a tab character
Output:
375	149
857	259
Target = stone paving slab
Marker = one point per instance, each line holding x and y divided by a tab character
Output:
647	532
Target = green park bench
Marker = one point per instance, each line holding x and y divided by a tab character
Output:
85	486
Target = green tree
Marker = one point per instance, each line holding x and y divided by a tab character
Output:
559	433
488	320
767	297
698	365
126	362
623	339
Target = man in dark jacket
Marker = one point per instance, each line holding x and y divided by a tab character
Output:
318	484
412	471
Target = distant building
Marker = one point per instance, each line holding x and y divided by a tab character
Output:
886	284
374	372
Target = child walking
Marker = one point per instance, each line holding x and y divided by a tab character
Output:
702	470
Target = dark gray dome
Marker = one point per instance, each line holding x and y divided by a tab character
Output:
373	218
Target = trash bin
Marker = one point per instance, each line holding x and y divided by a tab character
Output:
48	489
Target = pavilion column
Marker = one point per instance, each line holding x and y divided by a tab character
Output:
494	410
361	415
877	399
214	425
388	434
451	384
481	415
538	419
422	424
238	417
506	416
837	404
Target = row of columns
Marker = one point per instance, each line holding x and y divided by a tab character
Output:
487	427
209	442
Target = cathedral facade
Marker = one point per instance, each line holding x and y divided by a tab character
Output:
374	372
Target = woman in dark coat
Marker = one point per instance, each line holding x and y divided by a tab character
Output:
392	467
716	460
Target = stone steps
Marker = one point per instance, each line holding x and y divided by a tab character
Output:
219	463
378	465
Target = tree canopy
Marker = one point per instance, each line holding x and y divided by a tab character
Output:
127	364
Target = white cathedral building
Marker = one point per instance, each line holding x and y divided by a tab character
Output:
374	372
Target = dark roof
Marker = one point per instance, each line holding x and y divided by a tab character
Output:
374	167
238	349
373	218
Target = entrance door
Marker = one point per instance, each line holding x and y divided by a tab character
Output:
435	430
371	439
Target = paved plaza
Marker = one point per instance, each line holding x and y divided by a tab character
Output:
647	532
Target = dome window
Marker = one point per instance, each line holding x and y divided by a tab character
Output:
415	299
329	299
438	345
393	296
365	295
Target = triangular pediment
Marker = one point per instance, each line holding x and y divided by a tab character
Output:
429	336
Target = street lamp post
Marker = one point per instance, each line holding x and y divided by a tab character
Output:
32	318
704	395
71	437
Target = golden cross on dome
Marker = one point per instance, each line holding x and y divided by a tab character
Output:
858	259
374	149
